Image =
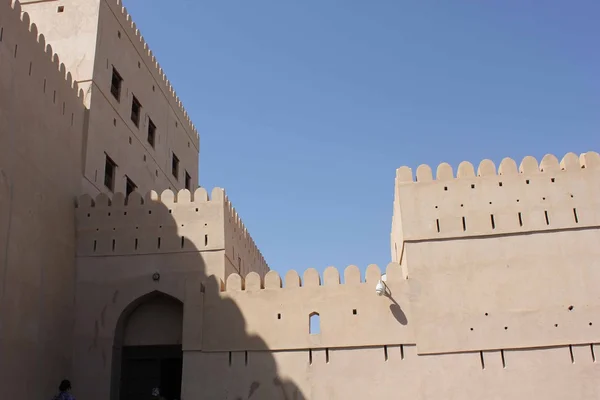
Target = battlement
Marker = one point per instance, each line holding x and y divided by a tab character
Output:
281	315
11	11
529	165
310	278
143	49
162	223
545	196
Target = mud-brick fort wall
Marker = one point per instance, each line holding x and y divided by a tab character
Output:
504	304
256	338
241	253
127	248
506	258
41	120
100	42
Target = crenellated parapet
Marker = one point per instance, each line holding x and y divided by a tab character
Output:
279	310
533	196
243	253
21	36
155	224
150	60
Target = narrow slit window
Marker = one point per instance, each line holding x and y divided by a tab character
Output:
520	219
314	324
116	84
575	216
327	356
437	223
402	352
385	353
546	216
464	221
593	353
158	242
230	358
503	360
129	186
136	111
30	66
114	242
246	358
110	168
16	48
175	166
1	33
182	241
206	240
136	244
151	132
310	357
95	245
188	181
482	360
492	221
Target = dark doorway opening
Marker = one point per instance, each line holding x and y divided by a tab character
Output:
147	367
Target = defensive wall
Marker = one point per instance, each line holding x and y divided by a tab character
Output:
368	345
242	256
504	259
41	123
243	337
164	224
131	247
99	39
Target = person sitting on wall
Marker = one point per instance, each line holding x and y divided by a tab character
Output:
64	391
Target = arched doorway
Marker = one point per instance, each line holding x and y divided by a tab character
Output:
147	352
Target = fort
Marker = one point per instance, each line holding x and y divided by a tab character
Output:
121	273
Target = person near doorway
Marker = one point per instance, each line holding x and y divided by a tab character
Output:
64	391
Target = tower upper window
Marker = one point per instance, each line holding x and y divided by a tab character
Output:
116	83
136	111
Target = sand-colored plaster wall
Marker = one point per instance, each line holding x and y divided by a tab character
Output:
94	36
350	314
41	119
72	32
514	263
394	372
121	246
242	254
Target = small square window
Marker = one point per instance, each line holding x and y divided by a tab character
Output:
151	132
110	168
188	181
175	166
136	111
116	84
130	187
60	9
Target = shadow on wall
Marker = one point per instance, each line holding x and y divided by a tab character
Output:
150	292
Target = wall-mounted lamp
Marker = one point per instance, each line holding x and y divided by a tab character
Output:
381	287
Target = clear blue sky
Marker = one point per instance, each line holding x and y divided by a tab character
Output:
306	108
